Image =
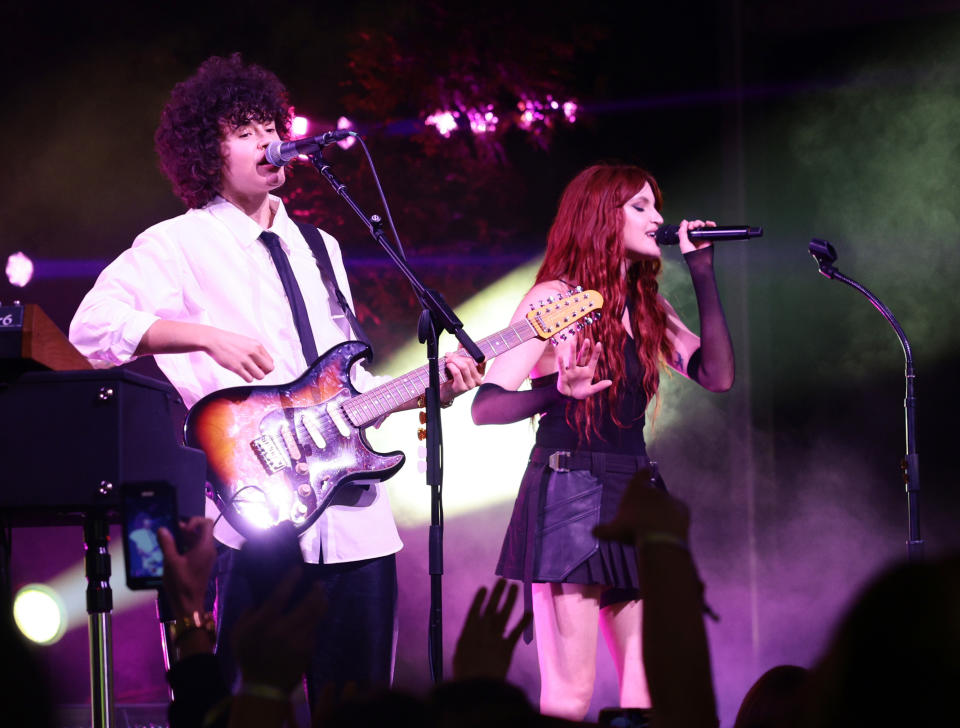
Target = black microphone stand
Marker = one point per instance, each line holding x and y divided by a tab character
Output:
825	255
435	317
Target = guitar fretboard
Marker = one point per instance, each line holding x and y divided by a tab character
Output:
386	398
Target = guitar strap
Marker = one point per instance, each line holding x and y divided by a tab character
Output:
315	241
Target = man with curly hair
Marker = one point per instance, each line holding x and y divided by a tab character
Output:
201	293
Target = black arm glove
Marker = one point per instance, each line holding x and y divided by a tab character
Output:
494	405
712	364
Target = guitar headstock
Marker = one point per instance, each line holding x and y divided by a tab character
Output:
564	314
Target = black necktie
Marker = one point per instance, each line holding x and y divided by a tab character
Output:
294	297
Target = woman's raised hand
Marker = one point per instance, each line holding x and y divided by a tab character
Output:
686	244
576	369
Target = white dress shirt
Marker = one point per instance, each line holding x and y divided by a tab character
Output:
208	266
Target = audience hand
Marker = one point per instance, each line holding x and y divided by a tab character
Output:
185	576
643	510
328	702
482	649
273	647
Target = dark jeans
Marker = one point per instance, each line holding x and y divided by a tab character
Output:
356	634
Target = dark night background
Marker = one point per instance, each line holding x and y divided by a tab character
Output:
838	120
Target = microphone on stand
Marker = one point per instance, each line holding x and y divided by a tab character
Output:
280	153
669	234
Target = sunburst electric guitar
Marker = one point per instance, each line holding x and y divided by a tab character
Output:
281	453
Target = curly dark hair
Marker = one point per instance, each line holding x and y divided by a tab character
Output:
223	91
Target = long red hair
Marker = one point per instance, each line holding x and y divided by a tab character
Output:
585	247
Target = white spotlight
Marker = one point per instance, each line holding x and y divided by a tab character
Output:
40	613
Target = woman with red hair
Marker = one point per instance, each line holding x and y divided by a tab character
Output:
589	438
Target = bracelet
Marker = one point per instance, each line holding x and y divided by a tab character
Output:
193	622
261	690
663	537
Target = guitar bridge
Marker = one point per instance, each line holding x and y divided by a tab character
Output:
271	455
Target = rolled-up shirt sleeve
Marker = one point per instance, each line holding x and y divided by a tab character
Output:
143	285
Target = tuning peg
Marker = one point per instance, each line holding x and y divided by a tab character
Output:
553	340
579	289
421	433
423	418
563	337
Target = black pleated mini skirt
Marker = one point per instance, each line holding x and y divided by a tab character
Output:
549	537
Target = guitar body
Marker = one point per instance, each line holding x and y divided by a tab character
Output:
282	453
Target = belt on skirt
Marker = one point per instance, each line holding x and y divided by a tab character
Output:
563	461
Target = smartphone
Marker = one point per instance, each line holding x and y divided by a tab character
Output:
145	507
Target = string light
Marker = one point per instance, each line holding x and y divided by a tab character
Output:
299	126
444	121
19	269
345	123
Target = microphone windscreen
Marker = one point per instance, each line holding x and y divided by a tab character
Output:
668	235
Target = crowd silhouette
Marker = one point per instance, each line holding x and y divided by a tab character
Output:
893	660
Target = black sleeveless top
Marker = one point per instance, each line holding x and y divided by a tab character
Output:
553	431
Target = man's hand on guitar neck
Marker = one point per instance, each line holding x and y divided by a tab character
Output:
465	374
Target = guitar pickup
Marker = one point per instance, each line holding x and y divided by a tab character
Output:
271	455
309	422
336	415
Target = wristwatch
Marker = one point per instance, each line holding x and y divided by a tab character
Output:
195	621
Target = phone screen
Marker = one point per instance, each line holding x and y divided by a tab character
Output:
146	507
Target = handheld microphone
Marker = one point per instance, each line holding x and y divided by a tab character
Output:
669	234
279	153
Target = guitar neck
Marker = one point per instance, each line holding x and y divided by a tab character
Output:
370	406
